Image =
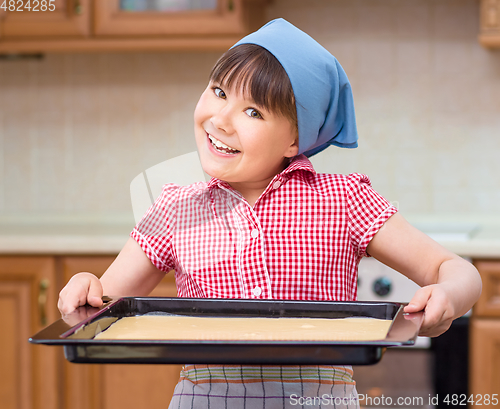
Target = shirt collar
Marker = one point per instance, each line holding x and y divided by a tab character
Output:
214	182
299	162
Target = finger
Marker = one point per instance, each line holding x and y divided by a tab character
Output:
438	316
432	323
63	303
74	294
436	330
94	297
419	300
59	304
70	303
60	300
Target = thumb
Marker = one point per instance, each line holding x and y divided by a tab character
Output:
94	296
419	300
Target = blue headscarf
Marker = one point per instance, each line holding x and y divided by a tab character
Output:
323	95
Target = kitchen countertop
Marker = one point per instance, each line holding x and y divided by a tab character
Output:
475	236
64	235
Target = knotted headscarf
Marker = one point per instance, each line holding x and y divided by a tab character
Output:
323	95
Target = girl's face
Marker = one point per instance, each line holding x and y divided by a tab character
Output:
239	142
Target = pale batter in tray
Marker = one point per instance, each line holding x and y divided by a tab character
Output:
179	327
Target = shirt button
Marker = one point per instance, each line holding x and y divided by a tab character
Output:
254	233
257	291
276	184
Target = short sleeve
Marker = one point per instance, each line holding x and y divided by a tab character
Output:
155	231
367	211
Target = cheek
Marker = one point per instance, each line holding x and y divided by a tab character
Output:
197	113
201	109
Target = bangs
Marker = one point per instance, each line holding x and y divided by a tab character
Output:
260	76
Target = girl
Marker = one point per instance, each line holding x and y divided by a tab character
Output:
268	226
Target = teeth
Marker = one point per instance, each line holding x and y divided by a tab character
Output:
222	147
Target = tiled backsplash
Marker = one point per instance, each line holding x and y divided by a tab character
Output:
76	129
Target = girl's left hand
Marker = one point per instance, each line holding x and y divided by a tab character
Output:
437	306
449	284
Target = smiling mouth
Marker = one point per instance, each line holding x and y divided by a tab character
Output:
221	147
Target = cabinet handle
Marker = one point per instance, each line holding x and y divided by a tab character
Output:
42	300
78	7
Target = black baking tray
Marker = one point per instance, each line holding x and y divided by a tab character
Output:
76	332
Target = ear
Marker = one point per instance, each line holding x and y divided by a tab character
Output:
293	149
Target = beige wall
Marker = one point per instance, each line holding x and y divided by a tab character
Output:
75	129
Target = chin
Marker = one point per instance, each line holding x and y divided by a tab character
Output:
206	166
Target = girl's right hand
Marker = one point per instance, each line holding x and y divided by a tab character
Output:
82	288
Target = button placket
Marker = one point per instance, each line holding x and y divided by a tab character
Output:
256	280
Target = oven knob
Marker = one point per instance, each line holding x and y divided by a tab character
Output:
382	286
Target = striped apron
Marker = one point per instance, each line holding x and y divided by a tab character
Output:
265	386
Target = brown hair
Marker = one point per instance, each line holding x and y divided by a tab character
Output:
261	76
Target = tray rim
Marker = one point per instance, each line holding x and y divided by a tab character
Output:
391	339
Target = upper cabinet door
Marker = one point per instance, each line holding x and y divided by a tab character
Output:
44	18
176	17
490	23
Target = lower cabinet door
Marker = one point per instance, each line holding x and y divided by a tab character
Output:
485	361
28	376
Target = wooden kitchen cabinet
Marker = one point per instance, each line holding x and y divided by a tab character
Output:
105	25
489	35
89	386
226	17
488	304
29	377
60	18
485	357
485	333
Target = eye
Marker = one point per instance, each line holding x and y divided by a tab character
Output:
219	93
253	113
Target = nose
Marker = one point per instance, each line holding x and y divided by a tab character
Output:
222	119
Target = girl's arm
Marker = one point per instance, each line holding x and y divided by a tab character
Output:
130	274
450	284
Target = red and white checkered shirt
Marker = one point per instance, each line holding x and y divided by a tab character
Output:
302	240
